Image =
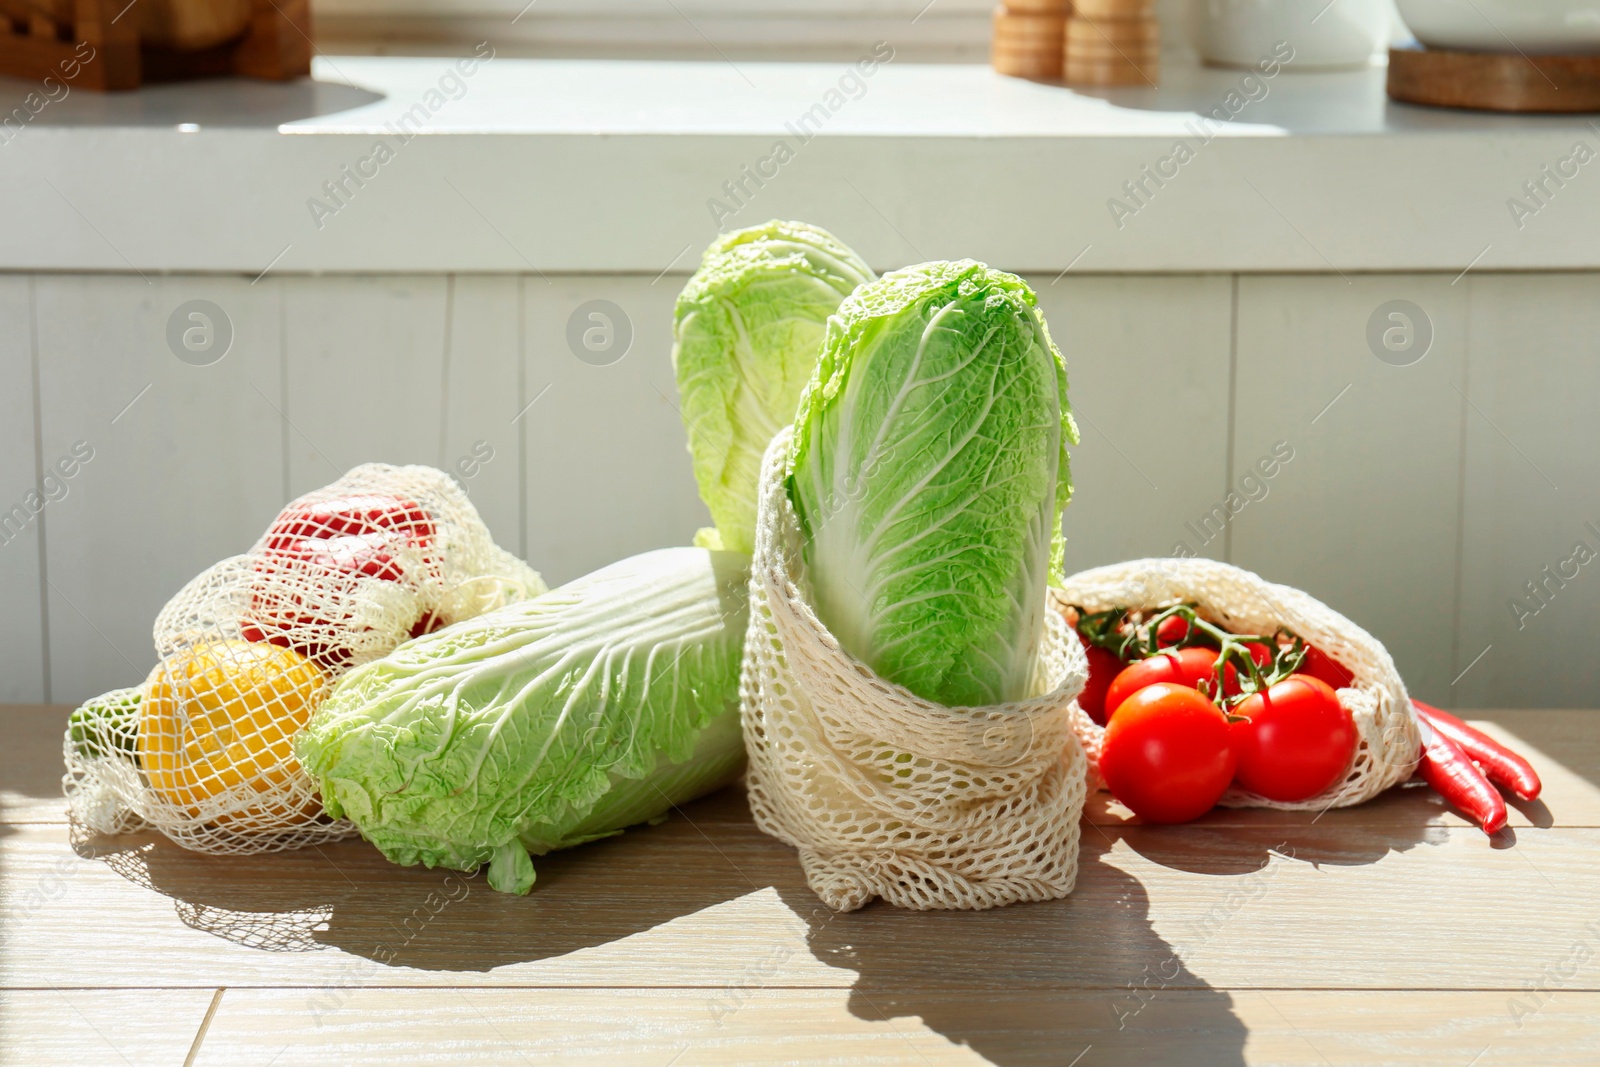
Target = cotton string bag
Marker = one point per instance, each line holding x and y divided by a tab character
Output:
203	751
1389	742
888	795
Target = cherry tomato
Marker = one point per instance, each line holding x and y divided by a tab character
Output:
1322	666
1230	676
1295	739
1167	753
1183	666
1104	666
1173	628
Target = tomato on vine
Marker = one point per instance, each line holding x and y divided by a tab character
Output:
1188	667
1167	753
1322	666
1104	666
1292	740
1263	657
1172	630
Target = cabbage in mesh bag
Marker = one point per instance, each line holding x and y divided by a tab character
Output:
250	648
888	795
905	692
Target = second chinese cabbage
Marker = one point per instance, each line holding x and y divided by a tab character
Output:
928	470
546	723
746	331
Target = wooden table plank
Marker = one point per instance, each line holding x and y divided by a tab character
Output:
1386	933
78	1026
1353	908
654	1028
1563	745
323	915
30	763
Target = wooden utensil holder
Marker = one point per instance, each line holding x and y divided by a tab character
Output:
1027	38
1113	42
99	47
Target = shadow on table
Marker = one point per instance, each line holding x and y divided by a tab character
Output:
1033	984
344	894
1038	984
1080	981
1238	842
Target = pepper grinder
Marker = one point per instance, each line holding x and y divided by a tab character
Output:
1113	42
1028	36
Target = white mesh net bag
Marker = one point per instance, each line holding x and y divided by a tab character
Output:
203	751
1389	742
888	795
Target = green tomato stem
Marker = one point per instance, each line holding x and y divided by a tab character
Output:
1105	629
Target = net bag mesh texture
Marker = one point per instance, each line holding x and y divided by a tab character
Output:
203	751
1389	742
888	795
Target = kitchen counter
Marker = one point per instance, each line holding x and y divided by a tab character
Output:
1392	932
519	165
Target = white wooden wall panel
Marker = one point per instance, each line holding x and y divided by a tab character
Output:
1147	367
481	445
608	471
365	374
1532	494
22	677
187	467
1385	483
1365	515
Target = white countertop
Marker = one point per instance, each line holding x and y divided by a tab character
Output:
609	166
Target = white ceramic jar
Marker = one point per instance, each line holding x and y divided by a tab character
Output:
1568	27
1325	34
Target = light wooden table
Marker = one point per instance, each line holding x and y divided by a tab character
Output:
1391	933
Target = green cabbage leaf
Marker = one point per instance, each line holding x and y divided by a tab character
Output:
543	724
928	470
746	330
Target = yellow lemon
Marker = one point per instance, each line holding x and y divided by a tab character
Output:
222	717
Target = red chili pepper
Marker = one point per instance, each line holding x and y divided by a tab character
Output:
1456	778
1501	765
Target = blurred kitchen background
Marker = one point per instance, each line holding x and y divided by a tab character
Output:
1340	280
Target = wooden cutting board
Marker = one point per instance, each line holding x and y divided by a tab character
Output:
1494	82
